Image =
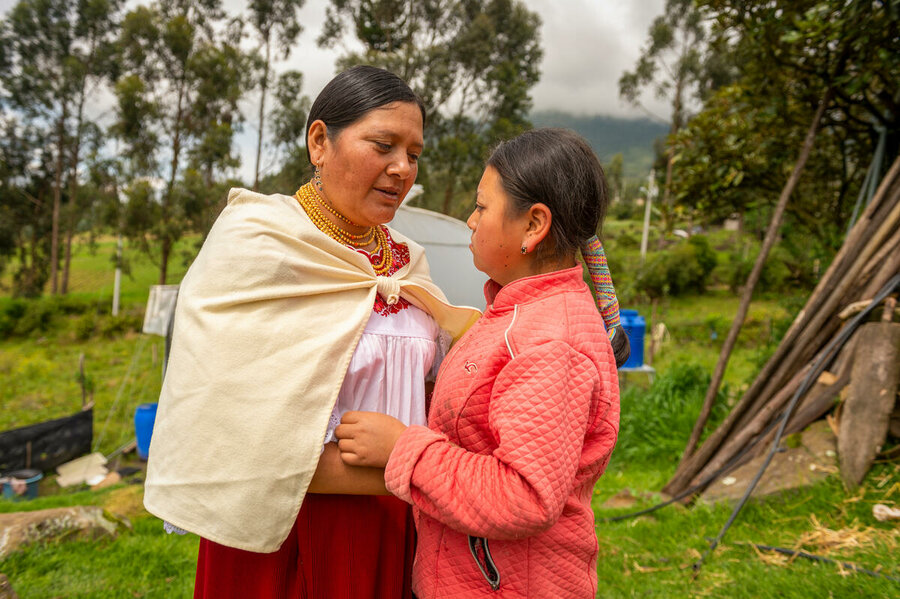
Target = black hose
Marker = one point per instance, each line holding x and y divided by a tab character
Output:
811	376
819	558
782	420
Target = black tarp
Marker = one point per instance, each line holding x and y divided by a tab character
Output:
48	444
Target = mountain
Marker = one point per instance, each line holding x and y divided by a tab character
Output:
609	135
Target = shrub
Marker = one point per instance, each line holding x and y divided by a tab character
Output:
683	269
775	272
84	327
37	318
113	326
10	314
657	422
703	253
627	241
23	317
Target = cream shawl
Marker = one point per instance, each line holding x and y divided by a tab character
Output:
267	319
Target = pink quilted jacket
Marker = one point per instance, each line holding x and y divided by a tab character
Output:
523	420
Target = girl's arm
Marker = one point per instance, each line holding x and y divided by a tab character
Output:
333	476
540	407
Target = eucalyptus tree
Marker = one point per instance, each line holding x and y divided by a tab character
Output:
290	112
835	63
289	134
92	66
52	57
26	192
175	57
278	19
473	62
788	53
673	64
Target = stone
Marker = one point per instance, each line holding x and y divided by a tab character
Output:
623	498
6	590
866	413
811	460
19	529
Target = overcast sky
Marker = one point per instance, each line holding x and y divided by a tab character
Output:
587	45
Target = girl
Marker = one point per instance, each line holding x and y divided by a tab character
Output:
525	411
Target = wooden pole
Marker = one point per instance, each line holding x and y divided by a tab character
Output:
768	242
784	360
651	191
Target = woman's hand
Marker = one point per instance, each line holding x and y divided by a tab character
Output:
367	438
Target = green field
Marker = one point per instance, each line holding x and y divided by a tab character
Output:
650	556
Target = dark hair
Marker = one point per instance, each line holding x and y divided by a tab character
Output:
558	168
354	93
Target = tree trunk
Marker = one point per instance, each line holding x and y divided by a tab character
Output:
668	222
166	236
67	256
448	195
666	208
57	200
651	347
72	221
262	113
769	241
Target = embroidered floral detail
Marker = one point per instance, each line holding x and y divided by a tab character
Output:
400	258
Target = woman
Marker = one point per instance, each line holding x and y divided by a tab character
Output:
296	310
525	411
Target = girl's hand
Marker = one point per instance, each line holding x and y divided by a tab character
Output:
367	438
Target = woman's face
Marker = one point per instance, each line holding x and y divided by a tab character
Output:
369	167
497	234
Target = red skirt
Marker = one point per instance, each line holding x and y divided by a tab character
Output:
341	547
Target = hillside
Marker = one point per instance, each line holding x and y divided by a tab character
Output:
610	135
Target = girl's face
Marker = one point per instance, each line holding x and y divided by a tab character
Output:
497	233
370	166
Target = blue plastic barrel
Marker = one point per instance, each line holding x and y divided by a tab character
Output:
144	416
634	326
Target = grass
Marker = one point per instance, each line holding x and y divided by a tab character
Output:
40	373
92	270
144	562
653	555
650	556
40	381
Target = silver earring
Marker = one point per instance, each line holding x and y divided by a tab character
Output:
524	250
317	178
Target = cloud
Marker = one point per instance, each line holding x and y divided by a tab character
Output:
588	44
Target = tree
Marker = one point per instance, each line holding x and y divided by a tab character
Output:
289	115
614	176
673	63
289	134
26	191
53	57
278	18
90	63
473	63
177	95
788	52
839	56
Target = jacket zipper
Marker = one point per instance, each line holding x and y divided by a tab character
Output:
478	546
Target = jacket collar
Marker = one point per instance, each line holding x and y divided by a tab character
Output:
529	289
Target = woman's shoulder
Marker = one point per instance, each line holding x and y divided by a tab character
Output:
240	195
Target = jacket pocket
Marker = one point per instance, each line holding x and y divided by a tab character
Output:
481	553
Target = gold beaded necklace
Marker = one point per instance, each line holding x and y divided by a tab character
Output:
310	201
